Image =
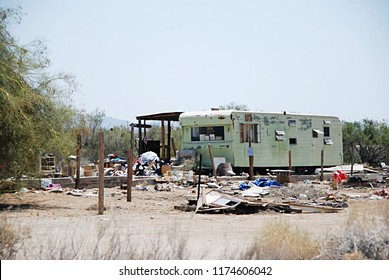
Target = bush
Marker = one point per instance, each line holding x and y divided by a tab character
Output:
8	240
365	236
281	241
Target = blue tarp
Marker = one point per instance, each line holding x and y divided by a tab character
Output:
243	186
260	182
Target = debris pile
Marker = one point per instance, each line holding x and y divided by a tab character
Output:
262	194
147	164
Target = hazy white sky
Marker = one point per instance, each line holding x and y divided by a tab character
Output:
141	57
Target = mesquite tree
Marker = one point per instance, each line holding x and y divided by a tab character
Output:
35	114
366	141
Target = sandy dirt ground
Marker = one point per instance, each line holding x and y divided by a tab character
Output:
62	226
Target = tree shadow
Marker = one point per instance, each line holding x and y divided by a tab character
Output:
26	206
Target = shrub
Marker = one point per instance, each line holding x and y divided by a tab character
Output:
281	241
8	240
365	236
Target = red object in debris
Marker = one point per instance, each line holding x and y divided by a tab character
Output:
339	176
381	193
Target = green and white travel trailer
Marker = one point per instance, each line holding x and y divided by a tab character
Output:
275	140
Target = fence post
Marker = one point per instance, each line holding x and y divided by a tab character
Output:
101	173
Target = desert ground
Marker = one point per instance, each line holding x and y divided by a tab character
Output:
58	225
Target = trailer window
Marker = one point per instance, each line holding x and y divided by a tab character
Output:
249	132
207	133
328	141
326	131
280	135
316	132
292	141
292	122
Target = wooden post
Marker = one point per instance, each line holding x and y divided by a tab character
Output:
163	139
129	166
199	181
78	161
101	173
322	165
290	160
251	160
213	164
352	159
144	139
140	146
174	147
290	165
169	128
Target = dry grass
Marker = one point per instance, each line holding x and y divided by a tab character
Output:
9	237
281	241
365	236
105	241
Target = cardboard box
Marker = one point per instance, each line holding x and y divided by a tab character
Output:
165	168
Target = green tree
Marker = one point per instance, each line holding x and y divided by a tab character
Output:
35	116
117	141
384	133
367	141
90	124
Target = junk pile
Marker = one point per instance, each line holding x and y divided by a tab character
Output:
357	175
147	164
248	197
115	166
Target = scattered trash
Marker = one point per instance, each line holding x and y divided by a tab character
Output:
376	197
147	164
23	190
56	188
214	201
75	192
303	196
162	187
381	193
83	192
45	183
256	191
225	169
261	182
252	200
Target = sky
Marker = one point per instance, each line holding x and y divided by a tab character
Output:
132	58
